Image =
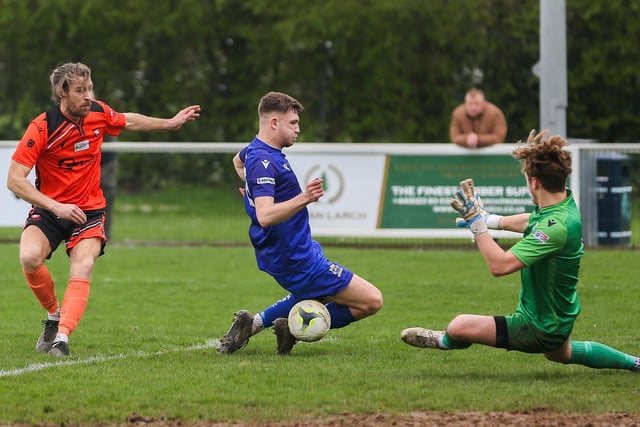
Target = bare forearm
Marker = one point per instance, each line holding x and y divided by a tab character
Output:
140	123
499	261
516	223
27	192
18	183
270	213
238	165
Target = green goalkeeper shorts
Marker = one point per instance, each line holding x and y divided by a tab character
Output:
524	336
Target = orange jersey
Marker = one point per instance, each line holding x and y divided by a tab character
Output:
66	154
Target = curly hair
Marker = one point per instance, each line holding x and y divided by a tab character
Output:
546	159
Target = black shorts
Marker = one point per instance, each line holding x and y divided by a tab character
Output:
57	229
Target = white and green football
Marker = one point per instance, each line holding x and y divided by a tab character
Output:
309	320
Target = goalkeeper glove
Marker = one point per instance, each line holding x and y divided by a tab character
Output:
468	203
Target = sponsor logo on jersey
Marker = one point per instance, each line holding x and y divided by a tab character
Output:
551	222
69	164
265	163
540	236
266	180
81	146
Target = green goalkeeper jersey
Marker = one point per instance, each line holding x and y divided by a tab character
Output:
551	249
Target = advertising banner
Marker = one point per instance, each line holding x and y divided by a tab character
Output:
418	188
352	188
380	192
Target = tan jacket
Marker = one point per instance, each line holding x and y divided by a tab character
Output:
490	126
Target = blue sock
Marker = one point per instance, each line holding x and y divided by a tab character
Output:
340	315
279	309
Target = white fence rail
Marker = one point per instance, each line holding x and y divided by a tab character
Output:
402	190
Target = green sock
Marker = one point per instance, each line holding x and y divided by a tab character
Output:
598	356
449	343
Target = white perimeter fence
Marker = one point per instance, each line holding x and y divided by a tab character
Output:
403	190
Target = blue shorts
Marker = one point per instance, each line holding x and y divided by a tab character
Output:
322	278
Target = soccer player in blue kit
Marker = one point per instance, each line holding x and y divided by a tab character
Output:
281	235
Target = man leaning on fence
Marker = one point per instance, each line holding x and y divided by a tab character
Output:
477	123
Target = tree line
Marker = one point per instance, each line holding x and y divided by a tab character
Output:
366	70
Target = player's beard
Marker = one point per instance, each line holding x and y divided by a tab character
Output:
78	113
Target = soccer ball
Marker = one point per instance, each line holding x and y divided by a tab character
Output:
309	320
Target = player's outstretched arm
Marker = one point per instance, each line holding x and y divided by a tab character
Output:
473	215
499	262
137	122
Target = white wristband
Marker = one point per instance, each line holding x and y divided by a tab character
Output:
493	221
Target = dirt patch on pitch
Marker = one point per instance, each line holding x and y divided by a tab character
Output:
537	417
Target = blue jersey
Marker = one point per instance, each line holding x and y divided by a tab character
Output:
284	248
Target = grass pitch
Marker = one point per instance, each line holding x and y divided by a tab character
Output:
146	344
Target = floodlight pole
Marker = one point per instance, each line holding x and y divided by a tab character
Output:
552	67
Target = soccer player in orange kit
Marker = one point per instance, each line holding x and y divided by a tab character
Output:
64	145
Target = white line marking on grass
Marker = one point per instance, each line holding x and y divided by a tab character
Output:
98	359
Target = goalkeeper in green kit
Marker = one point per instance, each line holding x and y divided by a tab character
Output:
548	258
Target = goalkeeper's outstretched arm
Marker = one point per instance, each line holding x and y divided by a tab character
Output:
499	261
